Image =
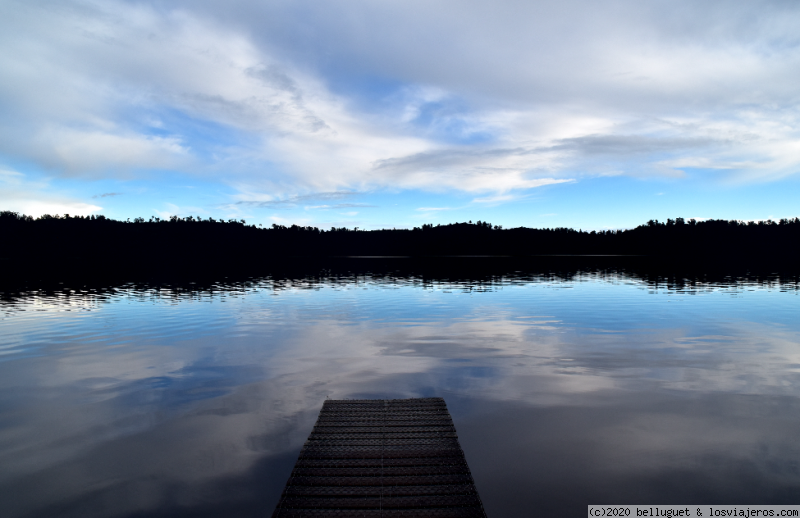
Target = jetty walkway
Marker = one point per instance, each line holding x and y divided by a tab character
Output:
373	458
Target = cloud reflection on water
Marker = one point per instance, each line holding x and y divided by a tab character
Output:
149	405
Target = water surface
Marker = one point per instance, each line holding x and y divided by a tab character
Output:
148	399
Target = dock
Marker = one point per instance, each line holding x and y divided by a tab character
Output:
371	458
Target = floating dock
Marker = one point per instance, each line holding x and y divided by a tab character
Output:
373	458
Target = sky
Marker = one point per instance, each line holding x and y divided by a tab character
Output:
592	114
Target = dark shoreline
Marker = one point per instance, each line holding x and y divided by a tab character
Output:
55	247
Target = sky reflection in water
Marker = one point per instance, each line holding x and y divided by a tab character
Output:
139	401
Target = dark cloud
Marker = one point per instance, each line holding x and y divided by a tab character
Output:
107	195
276	77
631	145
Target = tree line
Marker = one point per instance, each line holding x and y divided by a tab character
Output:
192	241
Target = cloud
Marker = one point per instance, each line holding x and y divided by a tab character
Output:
120	63
631	145
472	170
256	200
339	206
35	198
183	211
10	178
291	97
107	194
278	220
76	152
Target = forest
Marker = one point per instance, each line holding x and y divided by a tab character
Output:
98	242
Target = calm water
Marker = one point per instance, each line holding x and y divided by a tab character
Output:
194	400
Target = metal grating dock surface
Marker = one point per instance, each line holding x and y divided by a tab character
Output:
381	458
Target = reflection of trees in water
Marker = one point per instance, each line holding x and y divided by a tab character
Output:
462	274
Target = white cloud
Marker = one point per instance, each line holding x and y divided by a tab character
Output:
48	205
9	178
36	198
291	98
289	221
81	151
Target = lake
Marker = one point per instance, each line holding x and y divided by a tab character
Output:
567	388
